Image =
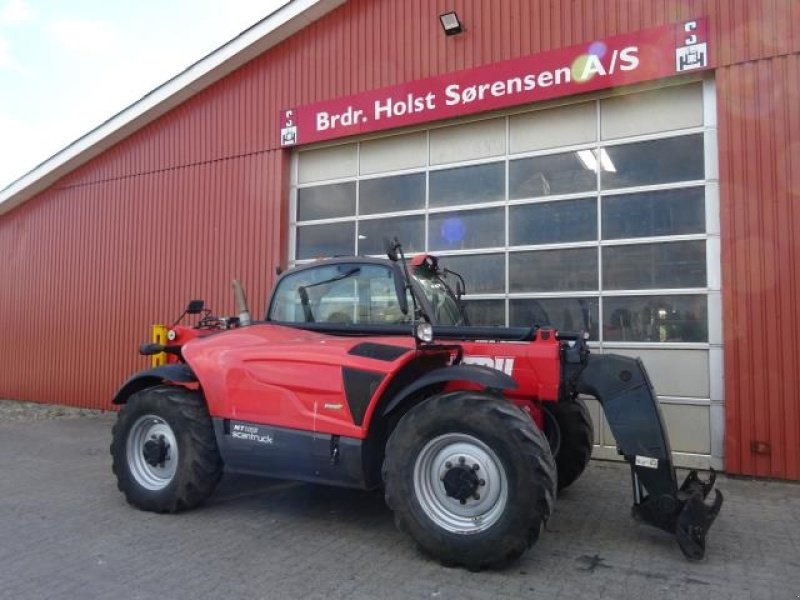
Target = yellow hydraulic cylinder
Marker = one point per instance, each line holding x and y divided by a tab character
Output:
159	336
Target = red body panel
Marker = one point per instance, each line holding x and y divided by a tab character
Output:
535	366
288	377
283	376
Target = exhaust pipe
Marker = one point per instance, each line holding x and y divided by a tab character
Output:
241	304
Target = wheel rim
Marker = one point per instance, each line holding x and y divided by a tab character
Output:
457	496
152	452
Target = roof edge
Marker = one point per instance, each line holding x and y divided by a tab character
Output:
265	34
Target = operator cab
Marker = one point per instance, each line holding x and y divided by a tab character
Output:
366	291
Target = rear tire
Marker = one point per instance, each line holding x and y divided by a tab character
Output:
505	500
576	438
163	450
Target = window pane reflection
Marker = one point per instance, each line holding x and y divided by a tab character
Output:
483	273
326	201
486	312
666	212
553	222
655	161
334	239
655	318
565	314
466	229
649	266
392	194
468	185
410	231
553	270
549	175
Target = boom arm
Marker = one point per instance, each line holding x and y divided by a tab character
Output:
624	390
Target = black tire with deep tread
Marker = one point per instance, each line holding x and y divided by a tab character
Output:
519	445
577	439
199	464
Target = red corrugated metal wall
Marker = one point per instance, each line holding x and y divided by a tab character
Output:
199	196
759	140
89	266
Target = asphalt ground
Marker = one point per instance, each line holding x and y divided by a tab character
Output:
66	532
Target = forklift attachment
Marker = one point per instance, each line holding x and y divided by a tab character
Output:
622	387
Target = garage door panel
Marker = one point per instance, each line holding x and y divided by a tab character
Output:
667	109
394	153
687	426
553	127
335	162
471	141
682	373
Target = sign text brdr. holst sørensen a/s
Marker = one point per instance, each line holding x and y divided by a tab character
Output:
455	94
642	56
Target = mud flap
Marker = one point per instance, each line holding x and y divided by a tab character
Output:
622	387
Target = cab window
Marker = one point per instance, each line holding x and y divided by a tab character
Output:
445	307
348	293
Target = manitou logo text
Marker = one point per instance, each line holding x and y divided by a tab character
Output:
506	365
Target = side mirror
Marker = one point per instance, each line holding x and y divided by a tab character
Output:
391	249
195	307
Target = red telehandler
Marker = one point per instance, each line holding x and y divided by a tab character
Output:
364	373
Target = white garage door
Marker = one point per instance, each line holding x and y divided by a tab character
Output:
601	214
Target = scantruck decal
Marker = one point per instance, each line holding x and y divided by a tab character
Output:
621	60
250	433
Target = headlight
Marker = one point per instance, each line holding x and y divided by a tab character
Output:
424	332
171	335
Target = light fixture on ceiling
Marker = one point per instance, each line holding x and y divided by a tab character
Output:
451	23
587	159
605	162
590	159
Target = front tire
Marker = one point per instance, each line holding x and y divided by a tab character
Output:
164	453
470	478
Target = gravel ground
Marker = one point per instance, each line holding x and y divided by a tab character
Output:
12	411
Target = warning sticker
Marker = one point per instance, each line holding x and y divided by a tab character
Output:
646	461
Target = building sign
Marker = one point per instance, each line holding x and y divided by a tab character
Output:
621	60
